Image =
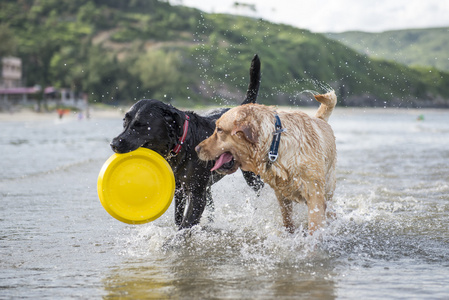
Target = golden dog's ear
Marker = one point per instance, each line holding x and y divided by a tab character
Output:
247	130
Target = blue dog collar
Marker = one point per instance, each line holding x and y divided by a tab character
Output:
273	154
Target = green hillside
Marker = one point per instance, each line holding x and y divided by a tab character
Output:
122	51
412	47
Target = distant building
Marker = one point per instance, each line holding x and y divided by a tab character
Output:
11	72
13	93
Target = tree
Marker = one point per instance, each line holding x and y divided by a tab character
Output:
8	43
101	71
158	72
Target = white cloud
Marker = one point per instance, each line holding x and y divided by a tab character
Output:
343	15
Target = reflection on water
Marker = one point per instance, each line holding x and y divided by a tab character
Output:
188	275
139	282
389	239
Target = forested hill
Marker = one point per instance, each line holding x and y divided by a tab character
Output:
412	47
122	51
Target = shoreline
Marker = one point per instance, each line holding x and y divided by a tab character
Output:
26	115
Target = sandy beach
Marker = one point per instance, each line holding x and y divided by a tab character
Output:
25	114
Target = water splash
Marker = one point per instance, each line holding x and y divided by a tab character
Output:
300	92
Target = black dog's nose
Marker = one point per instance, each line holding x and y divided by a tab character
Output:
113	147
197	149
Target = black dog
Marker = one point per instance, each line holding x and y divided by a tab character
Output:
174	134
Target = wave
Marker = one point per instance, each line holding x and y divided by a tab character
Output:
60	168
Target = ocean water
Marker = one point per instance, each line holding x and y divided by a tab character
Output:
390	238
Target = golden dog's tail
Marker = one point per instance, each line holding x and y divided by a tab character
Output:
328	102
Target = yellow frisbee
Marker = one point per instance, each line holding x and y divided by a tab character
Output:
136	187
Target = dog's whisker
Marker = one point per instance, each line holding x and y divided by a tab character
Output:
203	163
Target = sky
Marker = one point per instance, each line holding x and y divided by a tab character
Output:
338	15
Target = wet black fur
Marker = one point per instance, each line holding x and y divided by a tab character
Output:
155	125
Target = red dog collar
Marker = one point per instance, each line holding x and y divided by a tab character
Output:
182	139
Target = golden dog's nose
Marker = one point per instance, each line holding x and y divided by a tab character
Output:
198	149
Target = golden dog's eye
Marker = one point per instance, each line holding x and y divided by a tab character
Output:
219	130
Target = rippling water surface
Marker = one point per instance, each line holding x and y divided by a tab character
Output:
390	239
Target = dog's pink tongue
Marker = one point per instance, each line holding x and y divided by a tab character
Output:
224	158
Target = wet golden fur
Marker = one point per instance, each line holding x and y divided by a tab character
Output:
305	168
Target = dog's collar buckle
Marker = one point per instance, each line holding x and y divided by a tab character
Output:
273	154
279	131
182	139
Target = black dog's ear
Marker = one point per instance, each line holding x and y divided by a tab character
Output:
174	119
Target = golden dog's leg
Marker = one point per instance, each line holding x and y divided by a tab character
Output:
330	215
316	206
286	210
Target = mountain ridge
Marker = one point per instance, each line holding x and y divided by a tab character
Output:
120	52
411	47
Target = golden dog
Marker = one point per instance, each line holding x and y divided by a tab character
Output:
305	167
